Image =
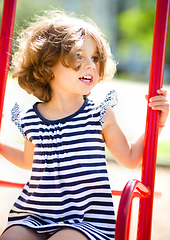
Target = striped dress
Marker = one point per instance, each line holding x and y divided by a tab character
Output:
69	184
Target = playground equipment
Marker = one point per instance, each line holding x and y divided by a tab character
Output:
134	188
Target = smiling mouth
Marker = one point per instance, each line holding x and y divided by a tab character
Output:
86	79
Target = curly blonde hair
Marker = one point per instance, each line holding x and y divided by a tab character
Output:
55	35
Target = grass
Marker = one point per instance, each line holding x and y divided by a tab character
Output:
164	152
164	146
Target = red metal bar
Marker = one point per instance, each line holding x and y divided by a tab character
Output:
11	184
135	194
129	221
152	120
6	34
122	224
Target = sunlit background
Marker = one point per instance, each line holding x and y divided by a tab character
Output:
128	26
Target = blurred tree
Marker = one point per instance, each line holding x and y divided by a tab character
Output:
135	36
135	28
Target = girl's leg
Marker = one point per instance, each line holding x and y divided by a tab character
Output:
19	232
68	234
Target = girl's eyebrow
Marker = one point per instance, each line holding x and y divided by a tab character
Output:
81	49
96	53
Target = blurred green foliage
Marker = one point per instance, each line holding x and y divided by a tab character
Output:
135	29
135	34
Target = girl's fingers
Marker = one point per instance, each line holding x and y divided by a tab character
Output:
159	102
159	98
162	92
160	107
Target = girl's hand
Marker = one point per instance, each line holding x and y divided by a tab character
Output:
160	102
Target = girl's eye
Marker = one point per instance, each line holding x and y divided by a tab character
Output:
79	56
95	59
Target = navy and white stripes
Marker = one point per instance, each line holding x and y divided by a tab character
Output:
69	183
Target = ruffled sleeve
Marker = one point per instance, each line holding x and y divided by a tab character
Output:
16	118
110	100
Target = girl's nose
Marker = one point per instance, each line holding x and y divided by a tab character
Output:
89	64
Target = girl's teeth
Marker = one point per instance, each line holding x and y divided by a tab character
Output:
86	80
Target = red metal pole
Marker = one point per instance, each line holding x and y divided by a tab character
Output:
152	120
6	34
123	215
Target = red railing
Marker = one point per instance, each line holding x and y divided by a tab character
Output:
11	184
6	34
152	120
133	188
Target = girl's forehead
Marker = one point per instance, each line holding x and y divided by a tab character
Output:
88	42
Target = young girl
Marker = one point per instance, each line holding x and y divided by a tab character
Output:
60	60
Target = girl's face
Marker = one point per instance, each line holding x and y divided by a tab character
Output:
81	82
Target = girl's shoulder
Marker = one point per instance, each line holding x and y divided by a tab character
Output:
110	100
20	117
17	113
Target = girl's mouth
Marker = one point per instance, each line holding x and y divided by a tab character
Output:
88	79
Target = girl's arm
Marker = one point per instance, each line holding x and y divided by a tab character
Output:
19	155
129	153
